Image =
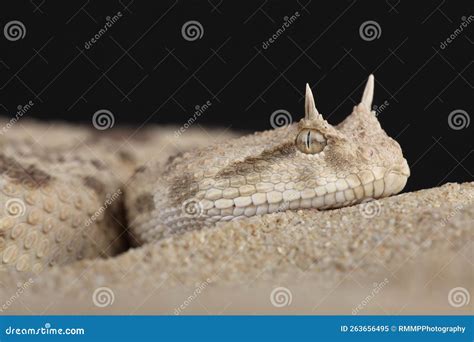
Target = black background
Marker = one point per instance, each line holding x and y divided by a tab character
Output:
144	71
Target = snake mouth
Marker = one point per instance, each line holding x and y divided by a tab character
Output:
396	178
400	170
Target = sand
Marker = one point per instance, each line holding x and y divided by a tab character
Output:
414	252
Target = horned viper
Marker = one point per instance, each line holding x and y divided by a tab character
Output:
55	201
310	164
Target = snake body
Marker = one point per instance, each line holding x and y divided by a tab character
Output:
61	193
58	203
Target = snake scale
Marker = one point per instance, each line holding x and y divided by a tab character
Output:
59	203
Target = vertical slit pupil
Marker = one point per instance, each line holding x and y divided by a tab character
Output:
308	139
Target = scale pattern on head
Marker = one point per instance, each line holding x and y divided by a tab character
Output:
310	164
357	142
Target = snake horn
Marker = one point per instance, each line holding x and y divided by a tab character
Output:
311	113
368	95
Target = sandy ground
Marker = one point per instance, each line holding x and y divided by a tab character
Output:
408	254
404	260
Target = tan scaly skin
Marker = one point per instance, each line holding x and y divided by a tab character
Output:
52	208
311	164
61	193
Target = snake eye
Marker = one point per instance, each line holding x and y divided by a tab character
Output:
310	141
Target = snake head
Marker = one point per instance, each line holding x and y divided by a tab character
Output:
357	150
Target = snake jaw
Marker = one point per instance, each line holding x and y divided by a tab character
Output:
401	169
395	179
